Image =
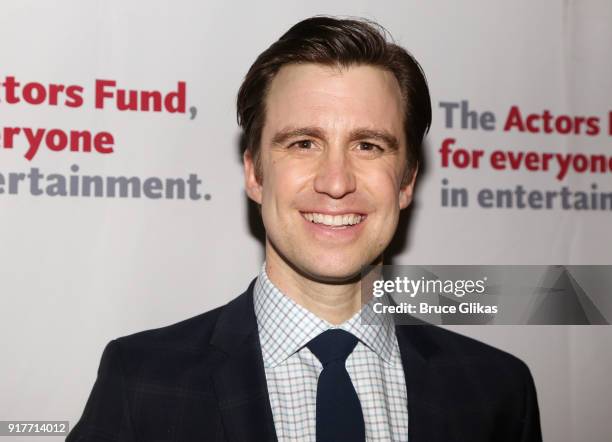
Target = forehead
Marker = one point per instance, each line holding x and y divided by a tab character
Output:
332	97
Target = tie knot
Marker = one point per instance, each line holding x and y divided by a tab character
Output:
332	345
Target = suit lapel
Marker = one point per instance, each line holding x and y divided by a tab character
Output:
239	379
424	400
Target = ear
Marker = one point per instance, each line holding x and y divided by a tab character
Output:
252	186
406	190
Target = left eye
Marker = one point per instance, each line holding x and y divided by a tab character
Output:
369	146
302	144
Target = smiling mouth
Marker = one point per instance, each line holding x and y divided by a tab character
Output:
345	220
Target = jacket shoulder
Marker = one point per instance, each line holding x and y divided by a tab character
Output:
144	377
189	335
459	356
455	345
484	380
446	348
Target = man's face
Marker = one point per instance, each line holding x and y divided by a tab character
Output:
332	159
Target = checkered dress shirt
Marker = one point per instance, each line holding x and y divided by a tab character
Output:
292	371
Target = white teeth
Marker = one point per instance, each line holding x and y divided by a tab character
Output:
334	220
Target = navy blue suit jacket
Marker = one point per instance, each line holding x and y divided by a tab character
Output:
203	380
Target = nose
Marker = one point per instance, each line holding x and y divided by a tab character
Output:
335	176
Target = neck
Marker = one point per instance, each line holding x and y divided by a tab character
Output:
334	302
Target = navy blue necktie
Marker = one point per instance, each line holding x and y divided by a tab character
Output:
339	415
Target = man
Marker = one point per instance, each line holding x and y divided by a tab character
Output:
333	116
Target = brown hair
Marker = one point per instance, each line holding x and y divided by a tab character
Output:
342	42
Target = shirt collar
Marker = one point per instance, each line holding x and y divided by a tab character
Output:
285	326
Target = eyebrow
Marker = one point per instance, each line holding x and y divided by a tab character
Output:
316	132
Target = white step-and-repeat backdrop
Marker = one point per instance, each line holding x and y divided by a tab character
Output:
122	204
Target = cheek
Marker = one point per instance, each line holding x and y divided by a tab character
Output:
284	180
383	184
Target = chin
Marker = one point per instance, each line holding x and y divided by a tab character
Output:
333	270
